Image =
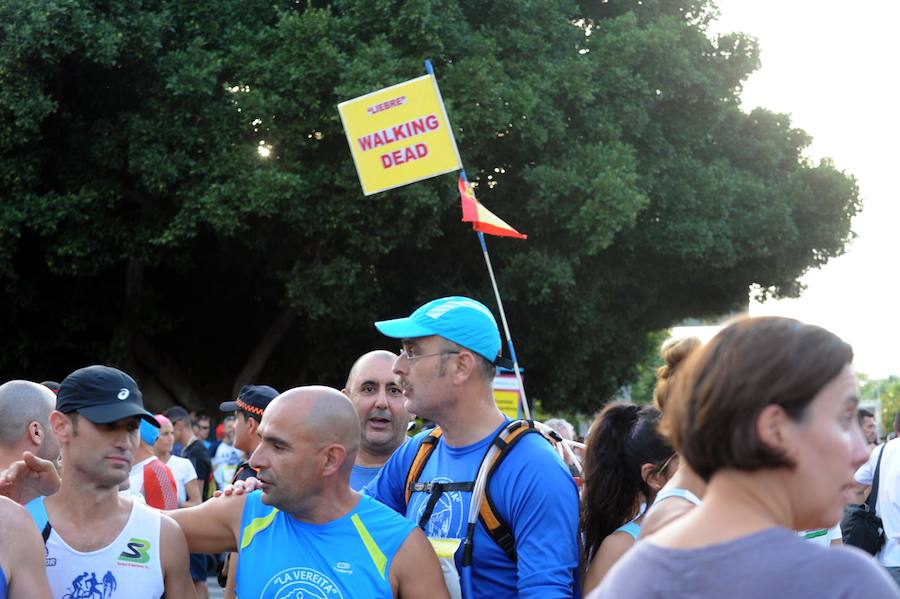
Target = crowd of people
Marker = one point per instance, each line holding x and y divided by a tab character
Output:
732	483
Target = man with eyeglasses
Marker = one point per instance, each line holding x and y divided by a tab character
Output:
446	370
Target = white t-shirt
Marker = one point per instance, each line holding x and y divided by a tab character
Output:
821	536
183	471
225	462
887	505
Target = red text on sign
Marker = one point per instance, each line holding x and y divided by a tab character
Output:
399	132
407	154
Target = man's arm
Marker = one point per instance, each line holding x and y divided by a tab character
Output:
537	497
173	554
22	553
29	478
213	526
415	570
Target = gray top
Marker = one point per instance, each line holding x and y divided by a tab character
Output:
771	563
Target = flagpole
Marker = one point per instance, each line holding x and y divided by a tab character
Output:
523	400
523	405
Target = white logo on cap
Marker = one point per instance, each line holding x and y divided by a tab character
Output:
439	311
123	393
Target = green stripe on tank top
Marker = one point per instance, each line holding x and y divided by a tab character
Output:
256	526
813	534
371	546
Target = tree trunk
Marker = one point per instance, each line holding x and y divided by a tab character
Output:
263	350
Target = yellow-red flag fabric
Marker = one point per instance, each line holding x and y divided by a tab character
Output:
482	219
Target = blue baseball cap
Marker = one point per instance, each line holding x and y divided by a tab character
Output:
462	320
149	433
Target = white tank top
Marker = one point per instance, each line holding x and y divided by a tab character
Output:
127	568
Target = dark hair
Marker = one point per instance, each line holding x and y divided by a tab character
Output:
712	413
623	438
863	414
198	416
177	414
673	353
248	415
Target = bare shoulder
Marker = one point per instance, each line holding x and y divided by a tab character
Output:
661	514
13	517
168	528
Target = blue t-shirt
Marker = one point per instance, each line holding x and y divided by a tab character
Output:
3	585
281	556
533	493
361	476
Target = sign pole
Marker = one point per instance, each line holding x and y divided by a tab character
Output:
523	400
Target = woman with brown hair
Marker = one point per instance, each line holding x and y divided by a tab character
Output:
766	415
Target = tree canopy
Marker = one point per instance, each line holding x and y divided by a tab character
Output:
141	226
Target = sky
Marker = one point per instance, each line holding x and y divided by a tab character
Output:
834	67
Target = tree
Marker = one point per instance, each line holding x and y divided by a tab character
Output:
142	226
888	391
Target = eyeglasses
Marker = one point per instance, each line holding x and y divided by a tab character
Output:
412	357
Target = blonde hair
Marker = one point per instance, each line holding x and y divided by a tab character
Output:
673	352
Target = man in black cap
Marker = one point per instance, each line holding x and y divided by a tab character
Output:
248	408
98	541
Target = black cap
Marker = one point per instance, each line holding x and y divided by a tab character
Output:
252	399
102	395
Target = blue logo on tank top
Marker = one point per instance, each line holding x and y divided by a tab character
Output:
448	518
301	583
86	586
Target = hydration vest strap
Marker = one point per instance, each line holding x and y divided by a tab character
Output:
426	448
436	490
499	531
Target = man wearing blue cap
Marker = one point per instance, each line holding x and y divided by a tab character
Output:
446	369
99	542
150	478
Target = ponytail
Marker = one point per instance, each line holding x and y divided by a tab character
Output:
623	438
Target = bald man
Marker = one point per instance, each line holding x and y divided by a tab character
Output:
381	408
306	532
25	409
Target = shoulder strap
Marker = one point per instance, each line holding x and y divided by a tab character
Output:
499	531
426	448
872	500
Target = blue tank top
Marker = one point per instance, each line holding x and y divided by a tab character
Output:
281	556
3	590
632	528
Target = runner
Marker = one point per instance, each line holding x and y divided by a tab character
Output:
150	479
766	413
306	533
446	371
22	575
98	542
383	418
186	484
627	463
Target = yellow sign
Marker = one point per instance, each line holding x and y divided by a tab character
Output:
399	135
506	394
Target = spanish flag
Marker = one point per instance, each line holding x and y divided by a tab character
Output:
482	219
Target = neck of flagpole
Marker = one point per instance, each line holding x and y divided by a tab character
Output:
523	404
